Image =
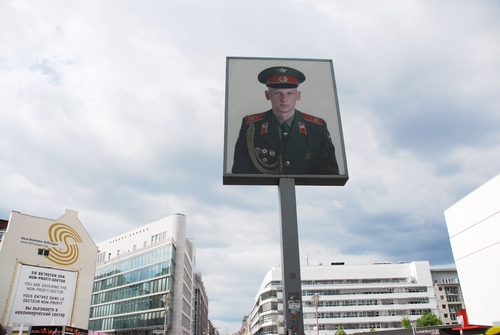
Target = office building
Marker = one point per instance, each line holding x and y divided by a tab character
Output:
355	297
144	280
474	228
200	322
449	297
46	271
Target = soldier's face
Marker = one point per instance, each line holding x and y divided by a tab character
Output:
283	100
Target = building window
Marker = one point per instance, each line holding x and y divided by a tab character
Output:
43	252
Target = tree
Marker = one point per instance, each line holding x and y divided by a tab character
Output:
428	319
340	331
405	322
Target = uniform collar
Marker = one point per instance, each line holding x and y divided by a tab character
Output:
279	122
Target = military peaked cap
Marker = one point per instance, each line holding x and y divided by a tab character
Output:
281	77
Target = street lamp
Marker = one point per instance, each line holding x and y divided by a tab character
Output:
166	305
413	326
315	301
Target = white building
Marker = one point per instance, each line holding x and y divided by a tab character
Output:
474	229
136	271
46	272
355	297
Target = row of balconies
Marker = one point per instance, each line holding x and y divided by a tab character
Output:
310	314
384	314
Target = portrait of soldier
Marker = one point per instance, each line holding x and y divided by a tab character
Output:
284	140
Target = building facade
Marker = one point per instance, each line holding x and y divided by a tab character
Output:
144	280
46	272
474	228
448	295
355	297
200	322
3	228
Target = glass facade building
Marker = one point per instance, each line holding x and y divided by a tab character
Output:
128	293
134	274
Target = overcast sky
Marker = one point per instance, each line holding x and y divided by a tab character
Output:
115	109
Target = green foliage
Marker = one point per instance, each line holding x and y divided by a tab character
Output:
428	319
405	322
372	329
340	331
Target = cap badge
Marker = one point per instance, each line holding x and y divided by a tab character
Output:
282	70
283	79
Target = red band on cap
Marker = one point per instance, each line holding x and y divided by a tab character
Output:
282	79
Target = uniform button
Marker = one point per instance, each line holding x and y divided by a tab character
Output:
287	163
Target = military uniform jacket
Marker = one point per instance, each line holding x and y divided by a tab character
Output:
309	148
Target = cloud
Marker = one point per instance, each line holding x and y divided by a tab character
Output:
116	110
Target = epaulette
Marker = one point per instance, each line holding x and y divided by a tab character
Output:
254	117
313	119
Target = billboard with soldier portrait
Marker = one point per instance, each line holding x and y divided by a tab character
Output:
282	120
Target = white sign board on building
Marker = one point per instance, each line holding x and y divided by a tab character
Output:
42	295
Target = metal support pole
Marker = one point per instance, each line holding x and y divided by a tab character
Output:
290	259
315	301
165	324
166	306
